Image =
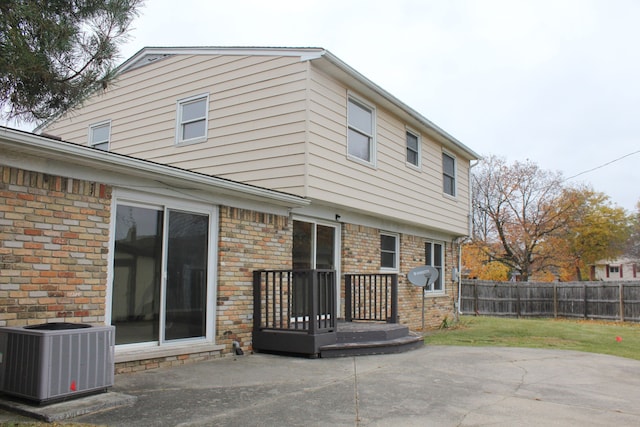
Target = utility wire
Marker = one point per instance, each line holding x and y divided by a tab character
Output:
602	165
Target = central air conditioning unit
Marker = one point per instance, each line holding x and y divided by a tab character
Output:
56	361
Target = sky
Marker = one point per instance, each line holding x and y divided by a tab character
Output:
556	82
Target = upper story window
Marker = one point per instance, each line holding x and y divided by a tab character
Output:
434	256
449	174
361	132
413	149
99	135
192	117
389	251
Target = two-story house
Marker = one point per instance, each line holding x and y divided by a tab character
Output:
384	189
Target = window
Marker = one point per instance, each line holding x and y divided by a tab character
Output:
449	174
361	135
433	255
192	119
99	135
413	149
389	251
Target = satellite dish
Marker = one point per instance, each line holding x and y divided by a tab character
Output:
423	276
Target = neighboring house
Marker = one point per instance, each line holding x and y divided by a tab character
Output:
328	171
615	270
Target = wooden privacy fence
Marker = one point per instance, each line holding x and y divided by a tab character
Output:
588	300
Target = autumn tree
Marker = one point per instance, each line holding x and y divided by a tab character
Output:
53	53
633	245
478	263
516	209
597	230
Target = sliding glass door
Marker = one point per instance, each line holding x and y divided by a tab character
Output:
160	274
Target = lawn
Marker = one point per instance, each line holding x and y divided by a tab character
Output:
614	338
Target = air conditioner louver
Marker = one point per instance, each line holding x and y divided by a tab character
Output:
56	361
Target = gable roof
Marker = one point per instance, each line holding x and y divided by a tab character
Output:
325	61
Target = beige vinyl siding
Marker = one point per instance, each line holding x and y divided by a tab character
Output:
392	188
257	114
268	115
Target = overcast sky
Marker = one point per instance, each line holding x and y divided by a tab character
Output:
553	81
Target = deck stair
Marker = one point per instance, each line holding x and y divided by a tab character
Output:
366	338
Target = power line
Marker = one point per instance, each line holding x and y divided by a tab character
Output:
602	165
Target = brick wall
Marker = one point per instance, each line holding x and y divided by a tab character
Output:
248	241
54	235
361	254
437	307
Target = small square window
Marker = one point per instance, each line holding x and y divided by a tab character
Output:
389	251
413	149
361	132
99	135
449	174
192	119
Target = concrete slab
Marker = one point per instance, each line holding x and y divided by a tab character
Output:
432	386
67	409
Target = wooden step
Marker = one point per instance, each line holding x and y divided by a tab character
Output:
408	342
348	332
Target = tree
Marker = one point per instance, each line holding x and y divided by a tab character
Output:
54	53
478	264
517	209
597	230
633	246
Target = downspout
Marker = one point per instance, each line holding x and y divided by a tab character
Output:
462	239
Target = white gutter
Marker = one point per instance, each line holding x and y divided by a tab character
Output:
28	143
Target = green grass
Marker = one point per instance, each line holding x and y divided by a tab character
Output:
614	338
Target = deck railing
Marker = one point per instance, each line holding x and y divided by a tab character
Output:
372	297
294	310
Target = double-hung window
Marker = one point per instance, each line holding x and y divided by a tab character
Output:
413	149
389	251
449	174
361	132
434	256
192	118
99	135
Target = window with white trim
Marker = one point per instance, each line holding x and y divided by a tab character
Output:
192	118
413	149
389	251
434	256
361	131
449	174
99	135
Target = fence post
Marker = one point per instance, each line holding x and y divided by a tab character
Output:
555	300
518	309
475	298
621	297
347	298
586	311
